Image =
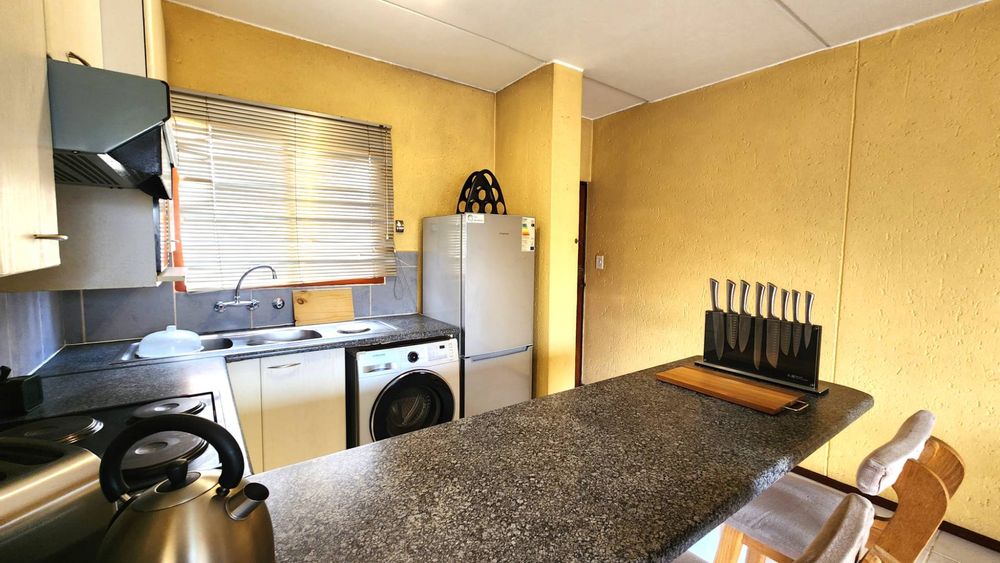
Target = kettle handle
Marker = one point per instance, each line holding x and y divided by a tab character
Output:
113	482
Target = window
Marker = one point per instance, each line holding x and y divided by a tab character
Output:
308	194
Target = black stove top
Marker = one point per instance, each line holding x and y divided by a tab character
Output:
147	459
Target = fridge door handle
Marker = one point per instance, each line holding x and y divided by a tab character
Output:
499	354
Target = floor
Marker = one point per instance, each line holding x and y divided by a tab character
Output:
944	548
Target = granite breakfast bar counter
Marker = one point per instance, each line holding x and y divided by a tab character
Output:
621	470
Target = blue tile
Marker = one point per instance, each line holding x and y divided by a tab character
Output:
362	295
407	259
119	314
397	296
266	314
195	311
71	311
50	314
6	353
24	329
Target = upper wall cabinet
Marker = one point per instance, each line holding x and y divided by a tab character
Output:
74	26
28	227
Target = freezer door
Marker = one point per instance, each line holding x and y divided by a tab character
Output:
442	268
497	380
498	286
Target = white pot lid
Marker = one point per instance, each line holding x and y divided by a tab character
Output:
169	342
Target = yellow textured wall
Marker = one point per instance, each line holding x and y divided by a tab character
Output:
538	165
441	131
586	148
869	174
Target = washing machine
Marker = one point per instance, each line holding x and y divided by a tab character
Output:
401	389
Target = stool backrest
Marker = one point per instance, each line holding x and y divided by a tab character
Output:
880	469
842	538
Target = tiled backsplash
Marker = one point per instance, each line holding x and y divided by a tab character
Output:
30	329
119	314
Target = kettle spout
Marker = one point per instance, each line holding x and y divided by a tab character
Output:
246	501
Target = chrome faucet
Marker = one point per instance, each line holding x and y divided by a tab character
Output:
252	304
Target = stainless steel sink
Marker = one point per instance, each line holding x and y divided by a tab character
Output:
281	337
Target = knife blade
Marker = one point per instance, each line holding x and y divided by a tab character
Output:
773	326
718	328
744	328
786	327
796	325
732	317
808	318
758	328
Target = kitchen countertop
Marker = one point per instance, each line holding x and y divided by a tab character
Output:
628	468
78	358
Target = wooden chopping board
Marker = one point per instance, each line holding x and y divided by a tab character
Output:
757	396
319	306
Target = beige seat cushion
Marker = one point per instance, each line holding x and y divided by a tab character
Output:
788	515
843	536
882	467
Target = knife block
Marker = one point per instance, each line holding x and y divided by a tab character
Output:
799	371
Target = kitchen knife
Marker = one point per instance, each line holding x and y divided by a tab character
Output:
758	328
718	323
732	317
796	325
786	327
808	318
773	326
745	318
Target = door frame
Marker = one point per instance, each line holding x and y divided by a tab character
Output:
581	282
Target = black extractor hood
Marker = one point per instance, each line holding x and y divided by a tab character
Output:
110	129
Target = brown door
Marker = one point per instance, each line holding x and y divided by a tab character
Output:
581	270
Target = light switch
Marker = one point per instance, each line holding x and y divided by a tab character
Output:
600	261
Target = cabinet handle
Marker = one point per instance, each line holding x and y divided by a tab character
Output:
283	366
59	238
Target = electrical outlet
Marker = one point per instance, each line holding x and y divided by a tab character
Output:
600	261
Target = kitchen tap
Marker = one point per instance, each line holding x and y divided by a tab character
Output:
252	304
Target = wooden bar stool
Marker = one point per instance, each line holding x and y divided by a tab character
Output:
924	472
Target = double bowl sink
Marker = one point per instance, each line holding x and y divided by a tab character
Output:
233	342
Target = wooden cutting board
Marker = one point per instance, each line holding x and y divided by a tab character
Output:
757	396
319	306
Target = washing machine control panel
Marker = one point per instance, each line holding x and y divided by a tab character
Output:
378	362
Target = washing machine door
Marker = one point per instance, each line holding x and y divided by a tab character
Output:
414	400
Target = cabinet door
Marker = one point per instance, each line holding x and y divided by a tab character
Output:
304	406
27	184
74	26
244	379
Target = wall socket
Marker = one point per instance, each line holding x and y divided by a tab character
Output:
600	261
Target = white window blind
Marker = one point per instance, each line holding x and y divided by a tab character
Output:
310	195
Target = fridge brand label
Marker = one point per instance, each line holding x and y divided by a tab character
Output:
527	234
475	218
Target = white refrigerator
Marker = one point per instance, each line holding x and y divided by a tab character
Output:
479	274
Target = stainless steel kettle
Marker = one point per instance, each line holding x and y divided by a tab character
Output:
193	515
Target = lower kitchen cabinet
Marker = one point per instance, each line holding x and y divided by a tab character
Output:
292	407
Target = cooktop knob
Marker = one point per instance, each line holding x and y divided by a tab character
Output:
413	357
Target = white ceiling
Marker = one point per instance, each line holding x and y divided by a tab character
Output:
631	51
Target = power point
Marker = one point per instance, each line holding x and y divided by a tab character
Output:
600	261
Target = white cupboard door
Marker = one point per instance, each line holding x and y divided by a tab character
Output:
244	379
74	26
27	184
304	406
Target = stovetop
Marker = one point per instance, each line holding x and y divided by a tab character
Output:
145	463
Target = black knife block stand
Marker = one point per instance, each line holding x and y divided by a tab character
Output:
796	371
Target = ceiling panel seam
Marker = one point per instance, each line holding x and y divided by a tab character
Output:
802	22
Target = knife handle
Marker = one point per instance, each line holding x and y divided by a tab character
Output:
730	295
784	304
809	307
744	296
760	299
772	292
795	305
713	286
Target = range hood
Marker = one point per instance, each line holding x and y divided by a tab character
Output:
110	129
